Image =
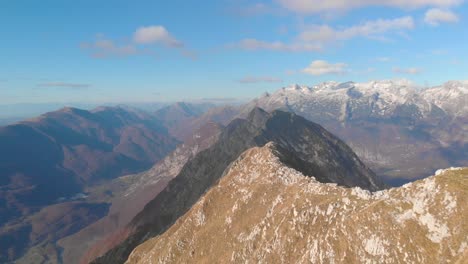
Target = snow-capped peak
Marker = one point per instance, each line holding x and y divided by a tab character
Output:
372	99
296	87
451	96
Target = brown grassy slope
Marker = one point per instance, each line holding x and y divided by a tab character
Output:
264	212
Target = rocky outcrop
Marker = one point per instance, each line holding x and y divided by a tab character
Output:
307	146
265	211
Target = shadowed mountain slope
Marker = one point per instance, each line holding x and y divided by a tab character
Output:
52	158
96	239
311	149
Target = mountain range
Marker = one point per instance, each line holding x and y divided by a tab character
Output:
310	149
53	158
402	131
80	185
105	205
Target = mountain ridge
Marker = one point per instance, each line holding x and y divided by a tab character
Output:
313	147
267	212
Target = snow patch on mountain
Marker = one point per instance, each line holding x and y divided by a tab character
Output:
374	98
442	171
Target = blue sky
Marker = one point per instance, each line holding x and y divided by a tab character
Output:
150	50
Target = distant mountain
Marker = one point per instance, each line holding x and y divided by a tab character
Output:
176	116
28	110
392	100
10	113
400	130
10	120
309	147
52	158
183	119
96	239
265	211
452	97
73	182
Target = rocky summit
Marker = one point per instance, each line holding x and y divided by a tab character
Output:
306	146
265	211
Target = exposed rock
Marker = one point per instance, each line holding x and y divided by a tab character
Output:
307	147
264	211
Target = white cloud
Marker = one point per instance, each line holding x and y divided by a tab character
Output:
439	52
435	16
290	72
316	37
325	33
155	34
383	59
407	70
368	70
65	85
319	6
262	79
254	44
252	10
321	67
283	30
103	47
142	42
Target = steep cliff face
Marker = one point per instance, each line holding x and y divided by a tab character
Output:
307	147
265	211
